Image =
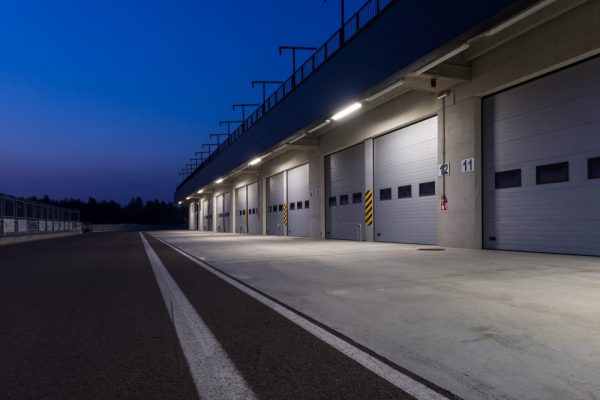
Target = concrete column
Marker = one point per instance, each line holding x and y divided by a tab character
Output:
215	221
369	235
316	185
262	203
191	216
284	229
461	225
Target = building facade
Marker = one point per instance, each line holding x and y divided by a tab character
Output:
453	123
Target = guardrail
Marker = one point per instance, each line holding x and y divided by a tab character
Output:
19	217
355	24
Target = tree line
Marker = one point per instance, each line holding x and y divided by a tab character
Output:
154	212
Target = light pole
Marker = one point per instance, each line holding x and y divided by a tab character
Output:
264	87
218	135
294	49
342	21
243	107
221	123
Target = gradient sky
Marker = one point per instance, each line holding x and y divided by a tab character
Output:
111	98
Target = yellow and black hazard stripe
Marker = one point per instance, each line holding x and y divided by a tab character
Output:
369	208
285	214
246	216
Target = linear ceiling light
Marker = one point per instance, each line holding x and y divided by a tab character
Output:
220	180
187	198
200	191
180	202
386	90
346	111
321	125
255	161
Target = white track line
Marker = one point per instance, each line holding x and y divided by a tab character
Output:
395	377
214	375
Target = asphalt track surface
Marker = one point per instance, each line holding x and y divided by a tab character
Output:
84	318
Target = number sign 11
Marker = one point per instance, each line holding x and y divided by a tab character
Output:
467	165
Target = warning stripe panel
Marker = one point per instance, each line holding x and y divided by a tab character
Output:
285	214
369	208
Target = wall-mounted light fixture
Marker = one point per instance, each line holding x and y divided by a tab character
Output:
255	161
346	111
220	180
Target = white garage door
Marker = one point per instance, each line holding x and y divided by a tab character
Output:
247	209
275	204
224	212
405	192
344	187
241	202
299	202
541	157
207	211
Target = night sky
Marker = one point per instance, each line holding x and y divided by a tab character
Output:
111	98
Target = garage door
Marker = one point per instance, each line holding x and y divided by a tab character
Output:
299	202
405	184
275	203
344	187
541	158
253	213
240	209
223	212
207	212
246	209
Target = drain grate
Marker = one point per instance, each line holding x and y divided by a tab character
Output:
431	249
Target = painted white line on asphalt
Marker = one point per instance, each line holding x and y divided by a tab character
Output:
392	375
214	374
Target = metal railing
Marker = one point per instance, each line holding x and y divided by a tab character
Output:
20	217
355	24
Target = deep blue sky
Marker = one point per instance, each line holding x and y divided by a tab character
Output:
111	98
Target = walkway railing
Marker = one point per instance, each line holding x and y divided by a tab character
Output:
19	217
355	24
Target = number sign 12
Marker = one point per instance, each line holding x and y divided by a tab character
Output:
444	169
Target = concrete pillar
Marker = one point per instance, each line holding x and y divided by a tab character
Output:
232	210
262	203
369	235
284	228
191	216
461	225
215	220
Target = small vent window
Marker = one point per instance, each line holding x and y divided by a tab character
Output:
357	198
385	194
344	200
427	189
254	211
552	173
404	191
299	205
292	206
594	168
508	179
306	204
281	208
332	201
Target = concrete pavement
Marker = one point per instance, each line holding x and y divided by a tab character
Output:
482	324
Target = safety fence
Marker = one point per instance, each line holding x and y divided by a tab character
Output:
355	24
20	217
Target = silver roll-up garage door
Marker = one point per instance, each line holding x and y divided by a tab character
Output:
405	173
344	187
253	212
227	212
241	203
207	211
541	160
299	202
275	204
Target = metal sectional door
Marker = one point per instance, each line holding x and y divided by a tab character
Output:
541	164
275	203
253	213
219	200
299	203
344	187
207	210
405	191
241	204
227	212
